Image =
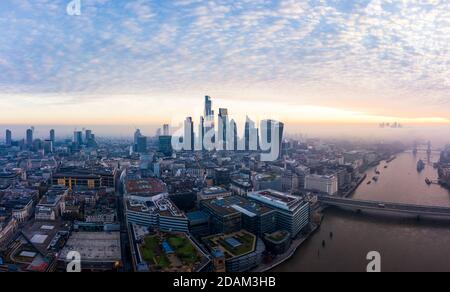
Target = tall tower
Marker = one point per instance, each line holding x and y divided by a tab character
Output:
29	139
189	138
208	106
223	125
52	136
8	138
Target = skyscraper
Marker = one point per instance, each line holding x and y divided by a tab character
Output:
166	130
52	136
137	134
141	146
29	139
48	146
189	138
78	138
8	138
165	145
268	126
208	107
251	135
223	125
88	136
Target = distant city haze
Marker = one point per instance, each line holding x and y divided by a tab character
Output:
436	133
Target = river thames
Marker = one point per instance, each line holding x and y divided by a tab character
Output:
405	244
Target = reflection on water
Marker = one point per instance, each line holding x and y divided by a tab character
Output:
404	243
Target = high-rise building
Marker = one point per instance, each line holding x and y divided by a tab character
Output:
137	134
189	138
8	138
268	126
293	213
251	135
141	146
88	136
208	107
29	139
52	136
78	138
48	146
166	130
222	127
165	145
209	127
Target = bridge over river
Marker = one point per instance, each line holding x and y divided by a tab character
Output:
418	210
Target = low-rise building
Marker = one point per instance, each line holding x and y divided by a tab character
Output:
213	193
327	184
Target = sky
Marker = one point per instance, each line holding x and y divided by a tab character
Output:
151	62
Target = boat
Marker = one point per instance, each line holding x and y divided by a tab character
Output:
385	166
369	182
391	159
376	178
420	165
428	181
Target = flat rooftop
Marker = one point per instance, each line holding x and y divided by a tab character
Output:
94	246
237	204
149	186
276	199
214	190
232	245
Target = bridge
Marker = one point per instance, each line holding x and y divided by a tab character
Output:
417	210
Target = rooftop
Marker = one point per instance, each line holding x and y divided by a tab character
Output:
232	245
276	199
94	246
145	187
237	204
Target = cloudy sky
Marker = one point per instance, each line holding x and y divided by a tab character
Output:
143	61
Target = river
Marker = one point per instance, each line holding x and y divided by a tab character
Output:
405	244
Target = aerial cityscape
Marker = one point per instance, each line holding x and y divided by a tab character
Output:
221	136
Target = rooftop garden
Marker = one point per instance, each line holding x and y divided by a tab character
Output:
153	252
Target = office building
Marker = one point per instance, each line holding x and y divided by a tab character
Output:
268	126
158	212
241	250
52	136
293	214
265	181
78	138
189	137
223	128
213	193
233	213
166	130
327	184
141	146
8	138
48	146
29	138
165	145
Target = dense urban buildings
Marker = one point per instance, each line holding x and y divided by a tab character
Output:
140	204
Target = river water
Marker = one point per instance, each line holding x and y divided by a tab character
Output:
405	244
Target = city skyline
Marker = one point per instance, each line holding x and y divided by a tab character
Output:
317	62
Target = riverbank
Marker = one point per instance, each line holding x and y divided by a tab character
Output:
280	259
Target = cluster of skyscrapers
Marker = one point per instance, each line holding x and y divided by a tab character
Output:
31	143
224	135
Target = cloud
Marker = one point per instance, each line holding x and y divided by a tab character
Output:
382	57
